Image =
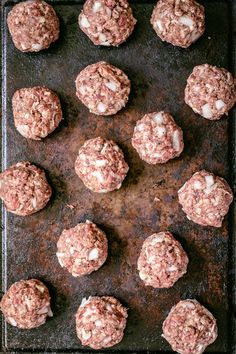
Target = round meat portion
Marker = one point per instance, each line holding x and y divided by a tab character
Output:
103	88
210	91
206	198
33	25
101	166
179	22
100	322
162	260
82	249
107	22
37	112
189	328
157	138
24	189
26	304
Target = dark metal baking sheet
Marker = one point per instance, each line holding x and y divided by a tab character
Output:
158	74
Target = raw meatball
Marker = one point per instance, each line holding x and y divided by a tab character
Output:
189	328
210	91
82	249
100	321
179	22
205	198
103	88
101	166
162	260
157	138
33	25
26	304
107	22
24	189
37	112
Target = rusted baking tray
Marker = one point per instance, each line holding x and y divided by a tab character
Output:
158	72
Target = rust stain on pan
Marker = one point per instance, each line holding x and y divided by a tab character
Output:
147	201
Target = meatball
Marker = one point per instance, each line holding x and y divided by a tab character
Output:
107	22
189	328
26	304
103	88
162	260
33	25
101	166
157	138
205	198
82	249
37	112
100	322
179	22
210	91
24	189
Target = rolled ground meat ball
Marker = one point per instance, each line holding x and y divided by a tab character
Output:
179	22
210	91
107	22
162	260
37	112
82	249
26	304
101	166
189	328
24	189
157	138
103	88
205	198
33	25
100	322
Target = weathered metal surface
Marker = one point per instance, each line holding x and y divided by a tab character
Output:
158	73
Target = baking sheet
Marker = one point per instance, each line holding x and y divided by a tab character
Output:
158	73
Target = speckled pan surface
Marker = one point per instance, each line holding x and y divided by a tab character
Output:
147	201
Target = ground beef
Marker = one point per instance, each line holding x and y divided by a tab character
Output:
100	322
162	260
189	327
103	88
37	112
205	198
26	304
101	166
33	25
210	91
24	189
107	22
179	22
157	138
82	249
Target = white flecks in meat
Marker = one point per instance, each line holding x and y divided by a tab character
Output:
33	25
103	88
210	91
107	23
82	249
100	322
24	189
206	198
162	260
26	304
189	328
101	166
157	138
37	112
180	22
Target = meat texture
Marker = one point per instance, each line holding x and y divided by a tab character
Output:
24	189
189	328
100	322
33	25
